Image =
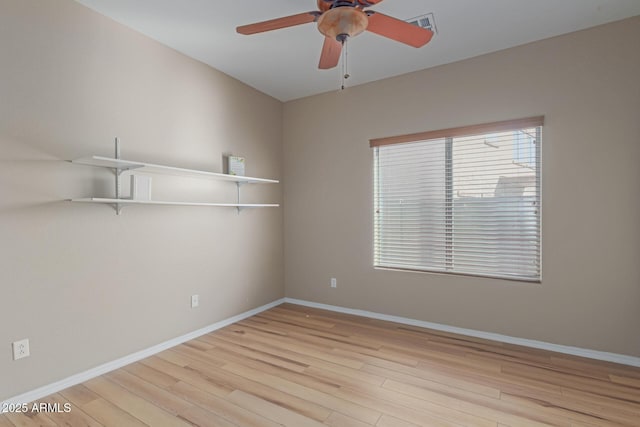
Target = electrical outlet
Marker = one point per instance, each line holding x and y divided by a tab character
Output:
21	349
334	282
195	301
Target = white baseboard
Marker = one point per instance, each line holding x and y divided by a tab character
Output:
57	386
575	351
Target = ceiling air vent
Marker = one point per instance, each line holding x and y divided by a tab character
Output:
424	21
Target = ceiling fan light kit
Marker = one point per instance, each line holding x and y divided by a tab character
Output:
340	19
342	22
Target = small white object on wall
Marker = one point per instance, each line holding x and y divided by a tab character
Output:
140	187
21	349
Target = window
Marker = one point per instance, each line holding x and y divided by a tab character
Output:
463	200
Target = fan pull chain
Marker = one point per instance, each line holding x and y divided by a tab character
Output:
345	65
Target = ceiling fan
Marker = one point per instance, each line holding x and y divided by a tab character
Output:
340	19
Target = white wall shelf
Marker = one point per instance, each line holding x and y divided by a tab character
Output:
113	163
120	165
160	202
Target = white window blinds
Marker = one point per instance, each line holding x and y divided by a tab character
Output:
466	201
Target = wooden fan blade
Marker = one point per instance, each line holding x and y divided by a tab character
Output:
398	30
275	24
331	51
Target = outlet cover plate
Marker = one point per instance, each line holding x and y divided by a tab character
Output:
21	349
195	301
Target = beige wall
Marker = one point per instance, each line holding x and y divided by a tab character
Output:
587	86
84	285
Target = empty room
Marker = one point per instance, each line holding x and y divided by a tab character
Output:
357	213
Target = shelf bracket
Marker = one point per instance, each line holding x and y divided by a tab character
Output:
238	185
118	171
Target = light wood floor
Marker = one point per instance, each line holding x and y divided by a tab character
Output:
295	366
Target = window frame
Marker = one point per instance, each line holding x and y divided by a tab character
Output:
448	136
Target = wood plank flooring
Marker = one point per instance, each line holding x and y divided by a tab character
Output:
297	367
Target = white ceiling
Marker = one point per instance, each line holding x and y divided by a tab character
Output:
283	63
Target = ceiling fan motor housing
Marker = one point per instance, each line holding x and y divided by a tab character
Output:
324	5
342	22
